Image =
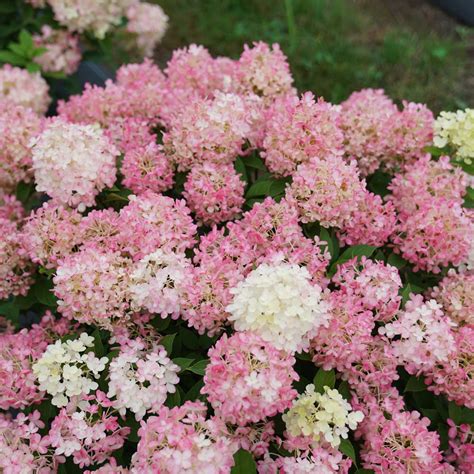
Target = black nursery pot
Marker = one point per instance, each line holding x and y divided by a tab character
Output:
462	10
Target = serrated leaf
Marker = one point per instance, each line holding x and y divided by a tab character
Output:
244	463
324	378
350	253
259	188
415	384
254	161
167	342
199	367
26	40
11	58
346	448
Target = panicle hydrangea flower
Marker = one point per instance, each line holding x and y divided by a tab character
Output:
363	116
248	379
152	221
181	440
140	378
156	283
100	230
422	336
192	70
455	293
353	326
255	438
455	377
402	443
62	53
328	191
324	459
73	163
50	234
147	167
409	131
23	448
215	193
17	352
371	223
206	294
297	129
213	130
87	430
11	208
371	377
18	125
15	268
148	23
137	94
426	180
456	130
436	235
374	284
24	88
96	16
68	369
92	287
110	467
461	446
279	303
264	71
322	416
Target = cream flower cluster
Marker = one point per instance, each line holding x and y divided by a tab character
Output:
141	378
278	302
66	369
456	129
157	281
322	416
73	163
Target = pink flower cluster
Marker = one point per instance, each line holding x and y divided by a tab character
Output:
62	50
216	238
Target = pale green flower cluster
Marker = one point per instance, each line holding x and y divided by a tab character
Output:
456	129
322	416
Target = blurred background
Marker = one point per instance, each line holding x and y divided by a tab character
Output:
411	48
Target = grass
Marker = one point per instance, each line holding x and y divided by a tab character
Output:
338	46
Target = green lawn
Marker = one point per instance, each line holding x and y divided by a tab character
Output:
337	46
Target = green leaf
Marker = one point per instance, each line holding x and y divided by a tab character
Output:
455	413
396	261
415	384
98	346
189	338
344	390
24	191
244	463
26	40
11	311
167	342
11	58
194	393
266	187
350	253
173	399
254	161
239	167
324	235
160	324
364	471
43	290
183	362
469	198
324	378
199	367
346	448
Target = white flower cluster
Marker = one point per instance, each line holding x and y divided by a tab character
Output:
140	380
157	281
322	415
73	163
66	370
279	303
456	129
97	16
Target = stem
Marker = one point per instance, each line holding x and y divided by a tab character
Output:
290	19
